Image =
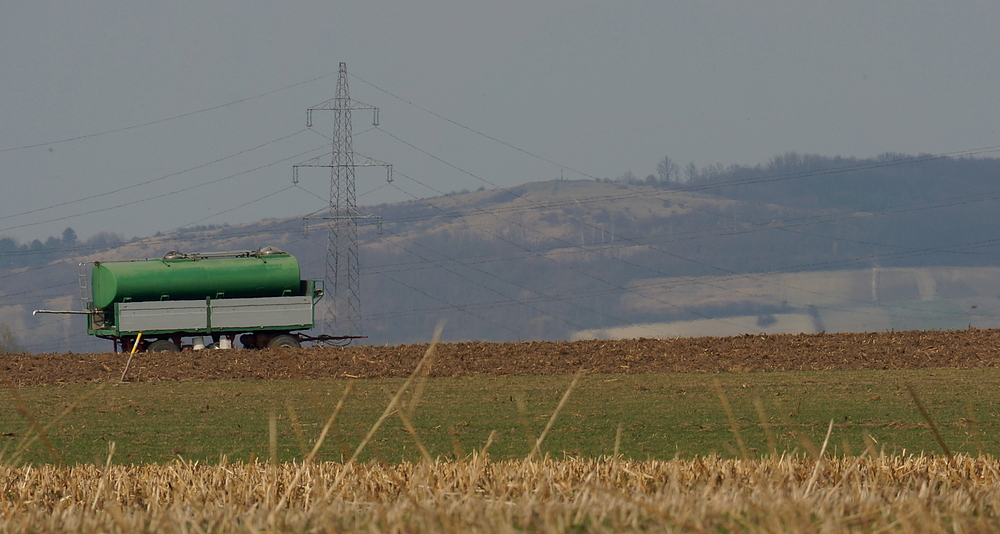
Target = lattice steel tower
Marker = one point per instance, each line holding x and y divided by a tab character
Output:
342	313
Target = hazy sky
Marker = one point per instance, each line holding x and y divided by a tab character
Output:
205	100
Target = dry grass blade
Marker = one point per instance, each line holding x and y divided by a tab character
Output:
819	460
522	414
927	417
422	382
413	433
19	403
29	440
618	440
732	418
300	436
104	476
456	445
478	460
535	451
272	431
305	463
974	424
340	403
392	406
768	433
399	393
486	446
807	444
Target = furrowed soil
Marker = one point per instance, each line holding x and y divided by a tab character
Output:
781	352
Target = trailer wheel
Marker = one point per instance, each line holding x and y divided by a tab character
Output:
163	345
249	341
284	341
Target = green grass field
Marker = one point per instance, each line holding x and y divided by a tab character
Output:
656	416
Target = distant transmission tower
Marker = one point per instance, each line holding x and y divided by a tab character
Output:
342	314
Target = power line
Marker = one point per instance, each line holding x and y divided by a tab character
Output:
167	119
579	271
153	180
899	161
492	275
175	192
234	208
641	242
634	242
527	200
477	132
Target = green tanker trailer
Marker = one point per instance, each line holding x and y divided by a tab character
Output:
256	295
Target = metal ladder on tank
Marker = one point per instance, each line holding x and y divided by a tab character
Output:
82	277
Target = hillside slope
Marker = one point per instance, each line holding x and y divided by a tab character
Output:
576	259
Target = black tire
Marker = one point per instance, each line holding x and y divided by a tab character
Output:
284	341
163	345
249	341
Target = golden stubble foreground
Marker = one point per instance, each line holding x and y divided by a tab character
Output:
851	494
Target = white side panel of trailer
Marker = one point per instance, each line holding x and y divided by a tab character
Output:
178	315
262	312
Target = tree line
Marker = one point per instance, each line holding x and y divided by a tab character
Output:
810	181
14	254
900	209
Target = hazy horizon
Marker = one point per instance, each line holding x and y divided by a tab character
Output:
138	118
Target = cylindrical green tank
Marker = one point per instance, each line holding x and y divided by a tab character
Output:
189	277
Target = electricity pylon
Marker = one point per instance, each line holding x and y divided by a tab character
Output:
342	313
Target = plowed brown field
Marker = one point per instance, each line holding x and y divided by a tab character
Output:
888	350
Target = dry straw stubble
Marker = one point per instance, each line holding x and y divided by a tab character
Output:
915	494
